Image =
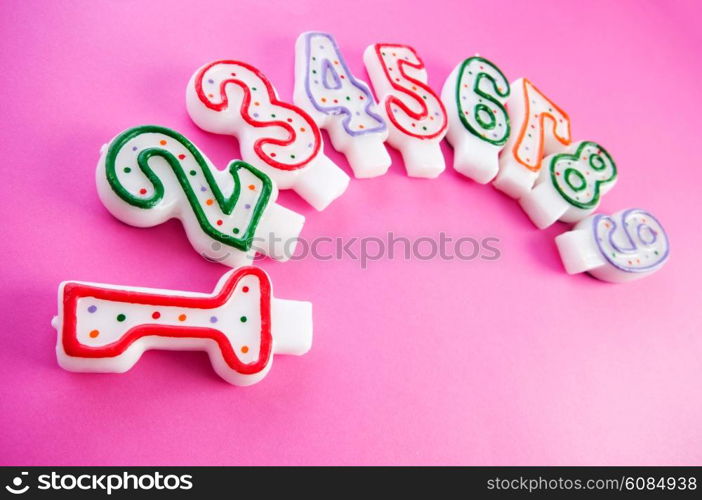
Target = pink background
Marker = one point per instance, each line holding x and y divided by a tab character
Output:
507	362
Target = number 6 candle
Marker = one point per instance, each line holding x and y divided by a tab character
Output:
474	94
105	328
539	128
339	102
149	174
416	116
625	246
234	98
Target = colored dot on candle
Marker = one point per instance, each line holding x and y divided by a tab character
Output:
182	317
252	187
127	170
361	97
273	155
210	96
163	142
303	129
203	188
210	80
342	77
156	315
213	319
233	74
243	319
324	99
94	333
142	191
181	157
289	120
292	156
348	98
255	115
245	289
236	230
134	148
192	172
256	103
121	317
247	206
244	349
92	309
361	126
220	222
254	89
209	201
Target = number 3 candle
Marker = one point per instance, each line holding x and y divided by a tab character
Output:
104	328
341	103
234	98
626	246
149	174
474	94
416	116
539	128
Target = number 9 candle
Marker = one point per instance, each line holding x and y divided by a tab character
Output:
539	128
416	116
341	103
625	246
234	98
474	94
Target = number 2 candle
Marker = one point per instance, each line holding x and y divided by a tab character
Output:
474	94
340	103
105	328
234	98
539	128
416	116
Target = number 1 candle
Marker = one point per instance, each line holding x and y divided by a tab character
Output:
105	328
341	103
416	116
474	94
539	128
234	98
625	246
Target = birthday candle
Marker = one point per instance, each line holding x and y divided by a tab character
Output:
474	95
149	174
570	184
234	98
625	246
340	103
415	114
539	128
105	328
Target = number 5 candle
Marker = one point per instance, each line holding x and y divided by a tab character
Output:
105	328
234	98
341	103
474	94
416	116
148	175
539	128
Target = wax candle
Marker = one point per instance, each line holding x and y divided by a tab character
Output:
415	114
340	103
539	128
625	246
105	328
570	184
234	98
474	95
150	174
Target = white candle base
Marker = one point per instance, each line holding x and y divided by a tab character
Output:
321	183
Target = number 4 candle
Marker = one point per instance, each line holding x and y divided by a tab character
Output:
474	94
105	328
232	97
539	128
150	174
341	103
416	116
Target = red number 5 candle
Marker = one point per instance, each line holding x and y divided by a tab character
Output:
234	98
416	116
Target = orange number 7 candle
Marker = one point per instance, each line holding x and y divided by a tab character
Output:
416	116
539	128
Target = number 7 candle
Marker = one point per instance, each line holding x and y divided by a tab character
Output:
539	128
474	94
235	98
106	328
340	103
416	116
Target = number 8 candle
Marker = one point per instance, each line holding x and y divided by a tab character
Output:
234	98
416	116
539	128
341	103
